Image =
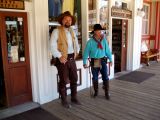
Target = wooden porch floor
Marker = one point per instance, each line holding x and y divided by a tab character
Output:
129	101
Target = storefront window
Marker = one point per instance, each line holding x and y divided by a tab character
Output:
15	39
56	7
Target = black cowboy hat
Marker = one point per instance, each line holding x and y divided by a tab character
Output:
97	27
67	13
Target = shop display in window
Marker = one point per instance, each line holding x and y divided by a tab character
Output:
15	39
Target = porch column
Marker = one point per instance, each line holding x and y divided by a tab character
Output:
43	84
134	39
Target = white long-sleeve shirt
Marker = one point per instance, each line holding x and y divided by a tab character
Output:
54	40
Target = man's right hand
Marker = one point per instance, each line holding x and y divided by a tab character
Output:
62	59
85	66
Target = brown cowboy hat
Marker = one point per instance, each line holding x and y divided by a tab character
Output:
67	13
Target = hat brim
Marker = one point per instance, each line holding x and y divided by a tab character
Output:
96	30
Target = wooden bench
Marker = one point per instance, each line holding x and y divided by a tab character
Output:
150	54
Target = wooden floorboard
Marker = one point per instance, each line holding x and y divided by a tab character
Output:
129	101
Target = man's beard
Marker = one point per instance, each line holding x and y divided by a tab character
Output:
67	25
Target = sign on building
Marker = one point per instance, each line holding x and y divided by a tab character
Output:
12	4
123	13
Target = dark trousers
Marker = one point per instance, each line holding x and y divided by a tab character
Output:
68	74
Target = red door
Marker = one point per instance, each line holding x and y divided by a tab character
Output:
15	53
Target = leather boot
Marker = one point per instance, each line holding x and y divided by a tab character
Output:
95	86
106	89
64	101
74	94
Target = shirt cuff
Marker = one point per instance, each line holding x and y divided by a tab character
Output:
58	55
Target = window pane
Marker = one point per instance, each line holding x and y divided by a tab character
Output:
146	10
145	27
145	21
15	39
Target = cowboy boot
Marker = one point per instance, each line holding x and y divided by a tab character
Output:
64	101
106	89
74	95
95	86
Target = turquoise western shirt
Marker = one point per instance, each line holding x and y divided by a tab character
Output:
92	51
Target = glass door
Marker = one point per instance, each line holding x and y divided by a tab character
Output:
15	56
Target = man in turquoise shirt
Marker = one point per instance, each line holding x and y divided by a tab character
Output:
97	49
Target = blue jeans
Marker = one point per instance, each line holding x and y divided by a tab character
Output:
103	70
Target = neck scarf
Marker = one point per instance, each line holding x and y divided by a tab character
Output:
99	45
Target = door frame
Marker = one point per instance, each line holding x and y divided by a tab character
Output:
6	65
124	50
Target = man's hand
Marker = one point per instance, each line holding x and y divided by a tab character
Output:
62	60
85	66
111	64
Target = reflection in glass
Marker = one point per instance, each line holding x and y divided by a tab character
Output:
15	39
